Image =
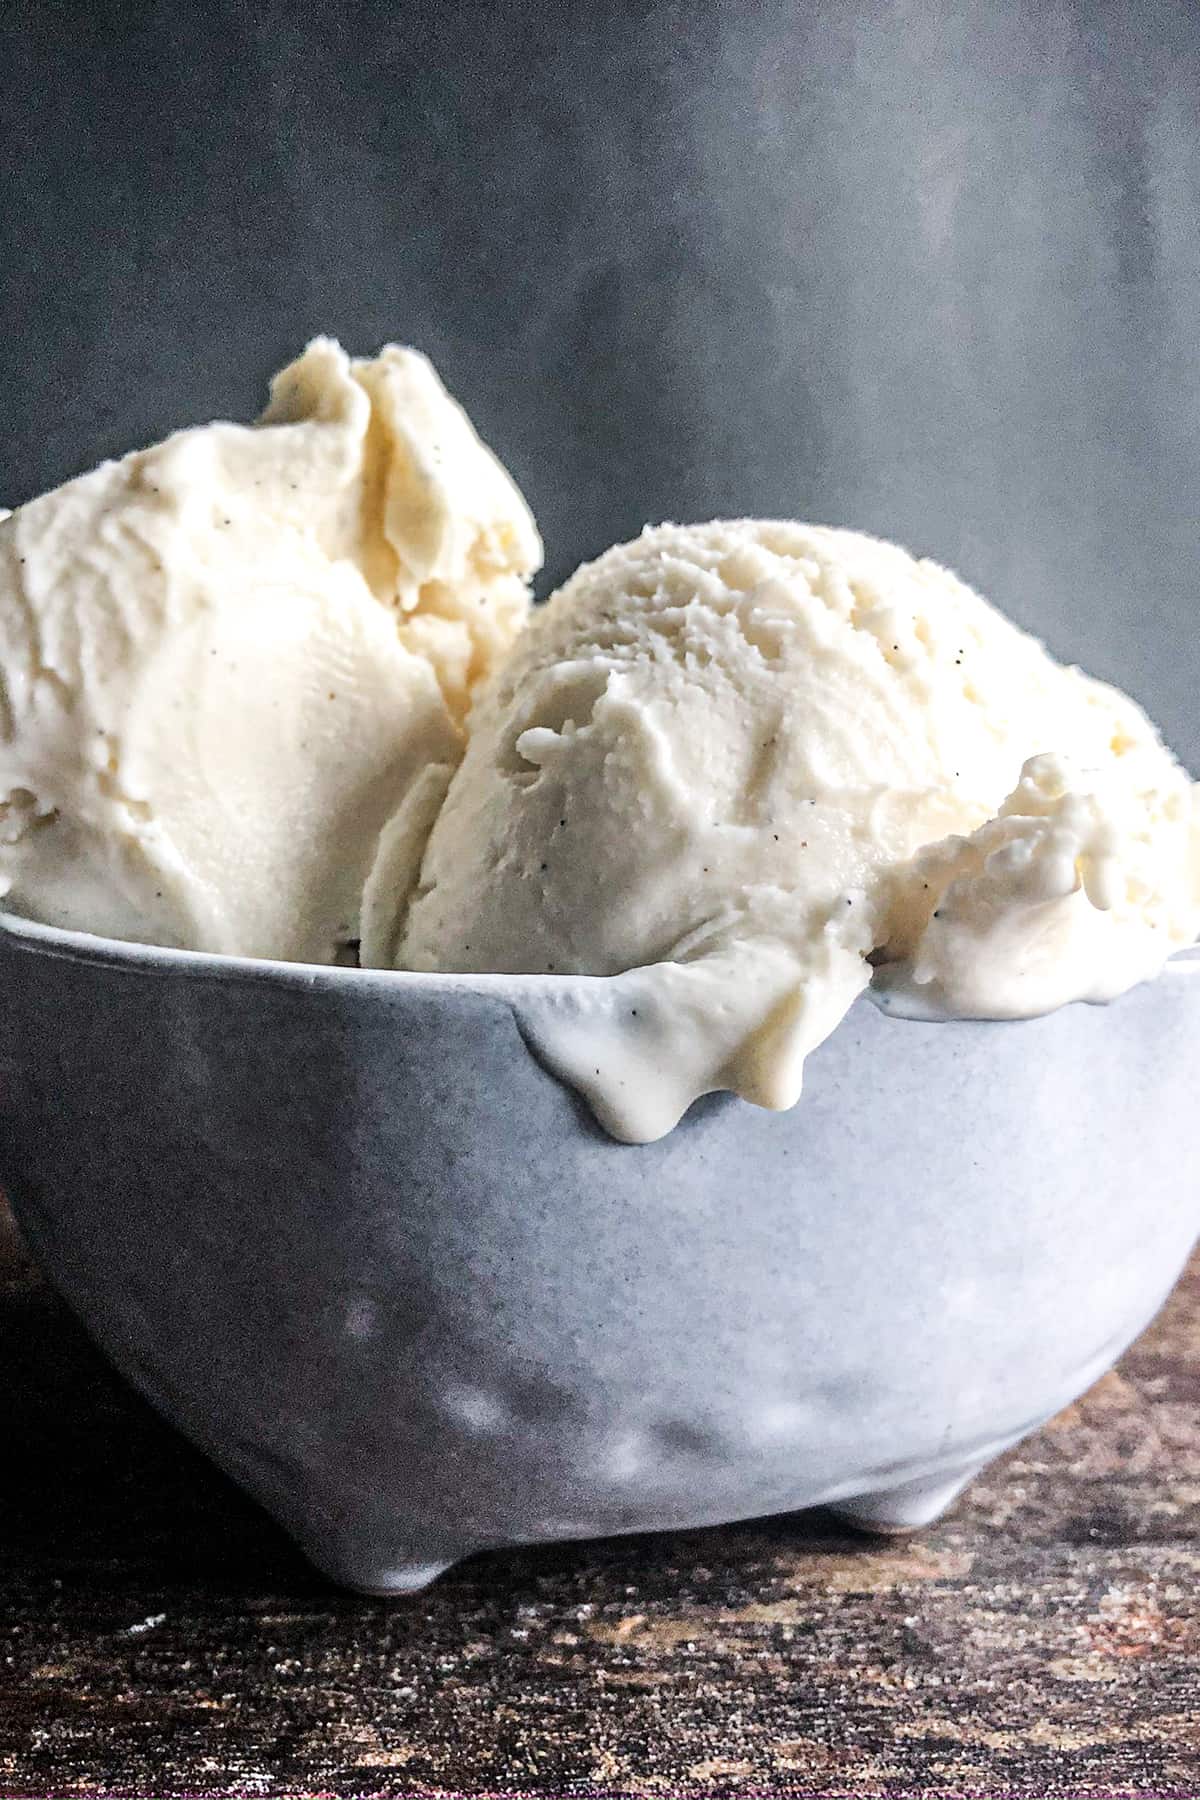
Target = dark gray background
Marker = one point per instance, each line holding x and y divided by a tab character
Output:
929	269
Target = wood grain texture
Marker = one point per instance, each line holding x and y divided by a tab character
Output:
161	1638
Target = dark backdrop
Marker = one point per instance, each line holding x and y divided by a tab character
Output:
930	269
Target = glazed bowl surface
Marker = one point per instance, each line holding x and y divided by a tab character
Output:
346	1232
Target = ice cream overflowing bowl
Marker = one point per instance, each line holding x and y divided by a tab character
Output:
346	1230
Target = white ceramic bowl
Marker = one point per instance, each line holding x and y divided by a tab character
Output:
345	1231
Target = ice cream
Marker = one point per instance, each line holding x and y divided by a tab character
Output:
749	768
227	660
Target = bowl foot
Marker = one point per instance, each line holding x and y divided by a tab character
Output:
911	1507
410	1573
401	1578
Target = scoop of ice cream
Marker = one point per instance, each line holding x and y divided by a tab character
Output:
750	761
1078	889
226	659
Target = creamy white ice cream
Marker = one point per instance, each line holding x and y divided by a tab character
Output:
760	765
227	659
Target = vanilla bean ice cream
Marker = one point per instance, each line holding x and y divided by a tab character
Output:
227	660
749	768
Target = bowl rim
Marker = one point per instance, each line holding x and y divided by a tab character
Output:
55	942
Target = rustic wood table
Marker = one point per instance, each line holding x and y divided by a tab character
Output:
161	1638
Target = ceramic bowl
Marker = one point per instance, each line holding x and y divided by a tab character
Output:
346	1232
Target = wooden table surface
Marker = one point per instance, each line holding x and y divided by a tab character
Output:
161	1638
